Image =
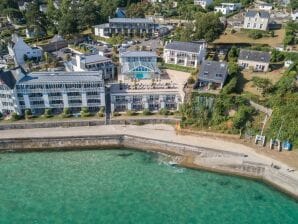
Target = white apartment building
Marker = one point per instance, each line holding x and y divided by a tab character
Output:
203	3
54	90
188	54
257	20
145	94
126	26
92	62
18	49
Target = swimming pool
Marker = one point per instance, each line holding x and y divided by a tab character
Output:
142	76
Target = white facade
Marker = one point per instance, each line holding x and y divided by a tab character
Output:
294	15
140	96
203	3
93	62
187	56
56	91
265	7
256	20
227	8
18	49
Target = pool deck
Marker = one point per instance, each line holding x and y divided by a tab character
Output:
167	133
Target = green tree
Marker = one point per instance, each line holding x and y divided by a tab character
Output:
208	27
36	19
263	84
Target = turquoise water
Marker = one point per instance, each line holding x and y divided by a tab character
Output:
142	76
111	187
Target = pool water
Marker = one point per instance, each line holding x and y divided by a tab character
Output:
142	76
125	186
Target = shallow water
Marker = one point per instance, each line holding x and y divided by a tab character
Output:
121	186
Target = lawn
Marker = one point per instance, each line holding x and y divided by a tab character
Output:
247	84
242	37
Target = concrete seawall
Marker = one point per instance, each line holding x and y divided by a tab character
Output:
204	158
88	122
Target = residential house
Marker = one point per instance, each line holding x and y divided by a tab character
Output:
189	54
203	3
265	6
55	44
19	50
294	15
138	65
212	75
226	8
257	20
126	26
256	60
38	91
92	62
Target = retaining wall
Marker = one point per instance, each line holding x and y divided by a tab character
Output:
79	123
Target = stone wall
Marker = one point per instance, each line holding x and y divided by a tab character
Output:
80	123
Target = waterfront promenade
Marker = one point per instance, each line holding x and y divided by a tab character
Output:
220	161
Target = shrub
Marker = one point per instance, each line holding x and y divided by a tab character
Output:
164	112
85	112
130	113
255	34
66	113
100	114
1	115
191	80
233	31
48	113
14	116
28	114
116	114
146	112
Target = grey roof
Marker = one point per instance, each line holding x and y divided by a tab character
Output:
92	58
51	77
214	71
105	25
130	20
138	54
184	46
251	55
57	38
10	77
262	14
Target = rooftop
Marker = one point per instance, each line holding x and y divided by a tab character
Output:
253	13
92	58
130	20
214	71
251	55
128	67
138	54
185	46
145	86
10	77
50	77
